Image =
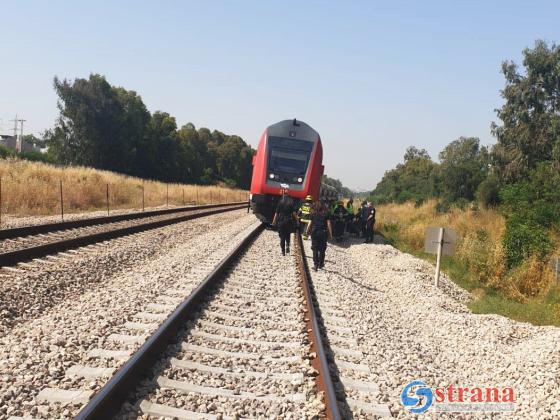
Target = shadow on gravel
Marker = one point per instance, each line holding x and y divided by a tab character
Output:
348	241
329	263
363	286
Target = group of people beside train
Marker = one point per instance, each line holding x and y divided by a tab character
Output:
322	220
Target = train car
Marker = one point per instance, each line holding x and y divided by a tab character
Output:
289	156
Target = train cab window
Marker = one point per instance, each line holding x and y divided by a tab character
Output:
288	156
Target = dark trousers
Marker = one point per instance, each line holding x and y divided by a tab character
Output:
319	246
285	233
339	228
369	231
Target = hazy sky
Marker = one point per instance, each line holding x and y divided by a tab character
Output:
372	77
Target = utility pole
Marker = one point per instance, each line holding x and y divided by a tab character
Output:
21	135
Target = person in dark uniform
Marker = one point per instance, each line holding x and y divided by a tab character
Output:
320	229
284	220
370	222
339	217
363	218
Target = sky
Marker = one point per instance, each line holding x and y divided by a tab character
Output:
371	77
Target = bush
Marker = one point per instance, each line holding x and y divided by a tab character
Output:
461	203
5	152
443	206
488	192
523	239
36	157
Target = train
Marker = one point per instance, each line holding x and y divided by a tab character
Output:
289	157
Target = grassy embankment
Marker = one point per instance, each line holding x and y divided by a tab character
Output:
32	188
526	293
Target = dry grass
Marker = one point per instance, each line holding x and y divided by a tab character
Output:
479	247
32	188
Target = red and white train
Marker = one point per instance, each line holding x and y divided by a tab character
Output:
289	156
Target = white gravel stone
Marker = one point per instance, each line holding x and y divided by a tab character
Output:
407	330
62	315
240	358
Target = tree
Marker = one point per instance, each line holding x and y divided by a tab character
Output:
98	124
412	152
134	119
530	130
464	165
162	134
110	128
337	185
414	179
34	141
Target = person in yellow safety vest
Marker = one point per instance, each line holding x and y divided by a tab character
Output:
304	214
350	207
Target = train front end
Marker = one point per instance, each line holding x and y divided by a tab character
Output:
289	156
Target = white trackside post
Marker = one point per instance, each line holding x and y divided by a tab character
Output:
438	261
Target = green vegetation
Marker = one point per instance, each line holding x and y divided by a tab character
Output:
337	185
108	127
519	177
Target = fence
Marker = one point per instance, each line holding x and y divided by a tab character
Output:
36	196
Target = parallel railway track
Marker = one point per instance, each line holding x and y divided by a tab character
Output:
27	243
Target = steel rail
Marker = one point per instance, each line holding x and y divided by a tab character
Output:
18	232
13	257
107	402
319	362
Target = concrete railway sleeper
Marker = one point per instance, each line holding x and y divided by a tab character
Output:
242	344
39	245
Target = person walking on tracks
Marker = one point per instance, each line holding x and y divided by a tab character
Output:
370	222
320	229
339	216
363	217
284	220
304	214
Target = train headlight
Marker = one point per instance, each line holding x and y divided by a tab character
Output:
300	179
271	176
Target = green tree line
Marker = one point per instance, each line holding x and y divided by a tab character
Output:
519	174
108	127
337	185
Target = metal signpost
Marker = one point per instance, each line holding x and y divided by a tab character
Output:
440	241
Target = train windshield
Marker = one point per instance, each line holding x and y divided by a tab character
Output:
288	156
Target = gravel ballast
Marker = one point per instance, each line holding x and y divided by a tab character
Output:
11	221
99	293
247	354
33	287
409	330
381	308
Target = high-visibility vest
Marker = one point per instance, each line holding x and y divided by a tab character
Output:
350	209
305	211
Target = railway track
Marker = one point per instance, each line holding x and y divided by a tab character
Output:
246	340
18	245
